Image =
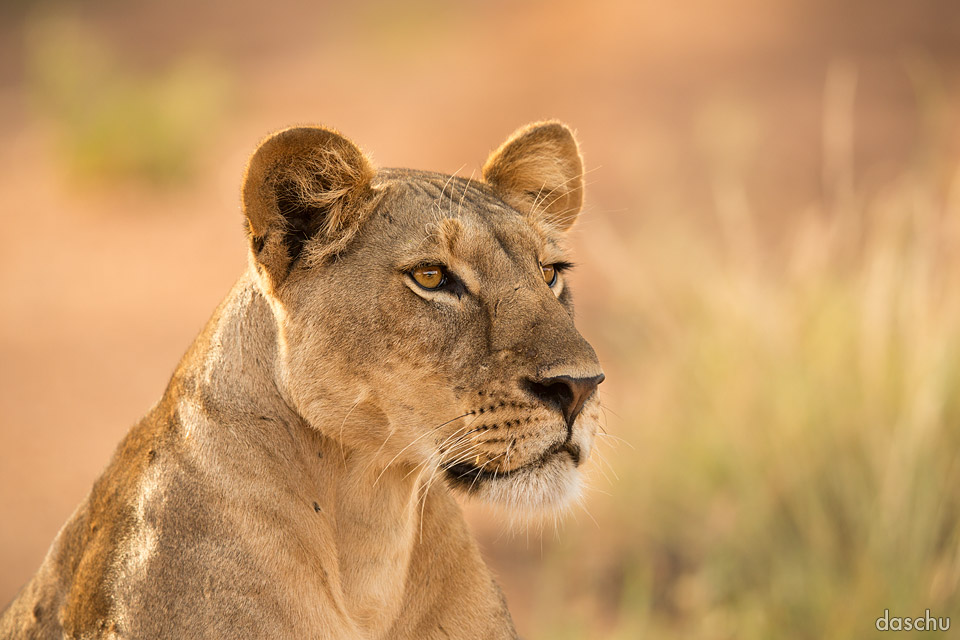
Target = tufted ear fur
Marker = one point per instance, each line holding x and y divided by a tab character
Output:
303	183
538	170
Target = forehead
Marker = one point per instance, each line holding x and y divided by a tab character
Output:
460	217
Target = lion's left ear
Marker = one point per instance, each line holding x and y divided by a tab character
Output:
539	171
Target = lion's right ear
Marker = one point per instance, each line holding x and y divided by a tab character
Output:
301	184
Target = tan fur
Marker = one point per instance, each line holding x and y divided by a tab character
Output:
296	478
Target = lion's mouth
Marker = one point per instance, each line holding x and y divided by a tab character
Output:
470	476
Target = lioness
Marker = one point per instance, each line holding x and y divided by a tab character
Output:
397	335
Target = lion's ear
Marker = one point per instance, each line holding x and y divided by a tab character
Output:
302	183
538	170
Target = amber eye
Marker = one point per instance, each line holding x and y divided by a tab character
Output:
429	277
549	274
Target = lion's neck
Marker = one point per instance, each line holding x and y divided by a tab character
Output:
362	521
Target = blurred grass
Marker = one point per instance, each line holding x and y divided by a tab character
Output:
792	404
113	121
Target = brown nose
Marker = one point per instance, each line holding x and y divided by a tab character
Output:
565	393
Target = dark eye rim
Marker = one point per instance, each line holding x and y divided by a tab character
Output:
558	267
444	276
449	283
553	280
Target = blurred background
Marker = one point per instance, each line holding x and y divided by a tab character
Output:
769	271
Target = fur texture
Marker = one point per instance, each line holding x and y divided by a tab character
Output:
295	479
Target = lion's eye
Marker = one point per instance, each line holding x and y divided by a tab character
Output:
429	277
549	274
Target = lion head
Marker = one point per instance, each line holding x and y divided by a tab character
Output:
426	319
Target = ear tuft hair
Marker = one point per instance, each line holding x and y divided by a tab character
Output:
539	171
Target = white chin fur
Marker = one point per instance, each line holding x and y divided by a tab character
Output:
535	491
